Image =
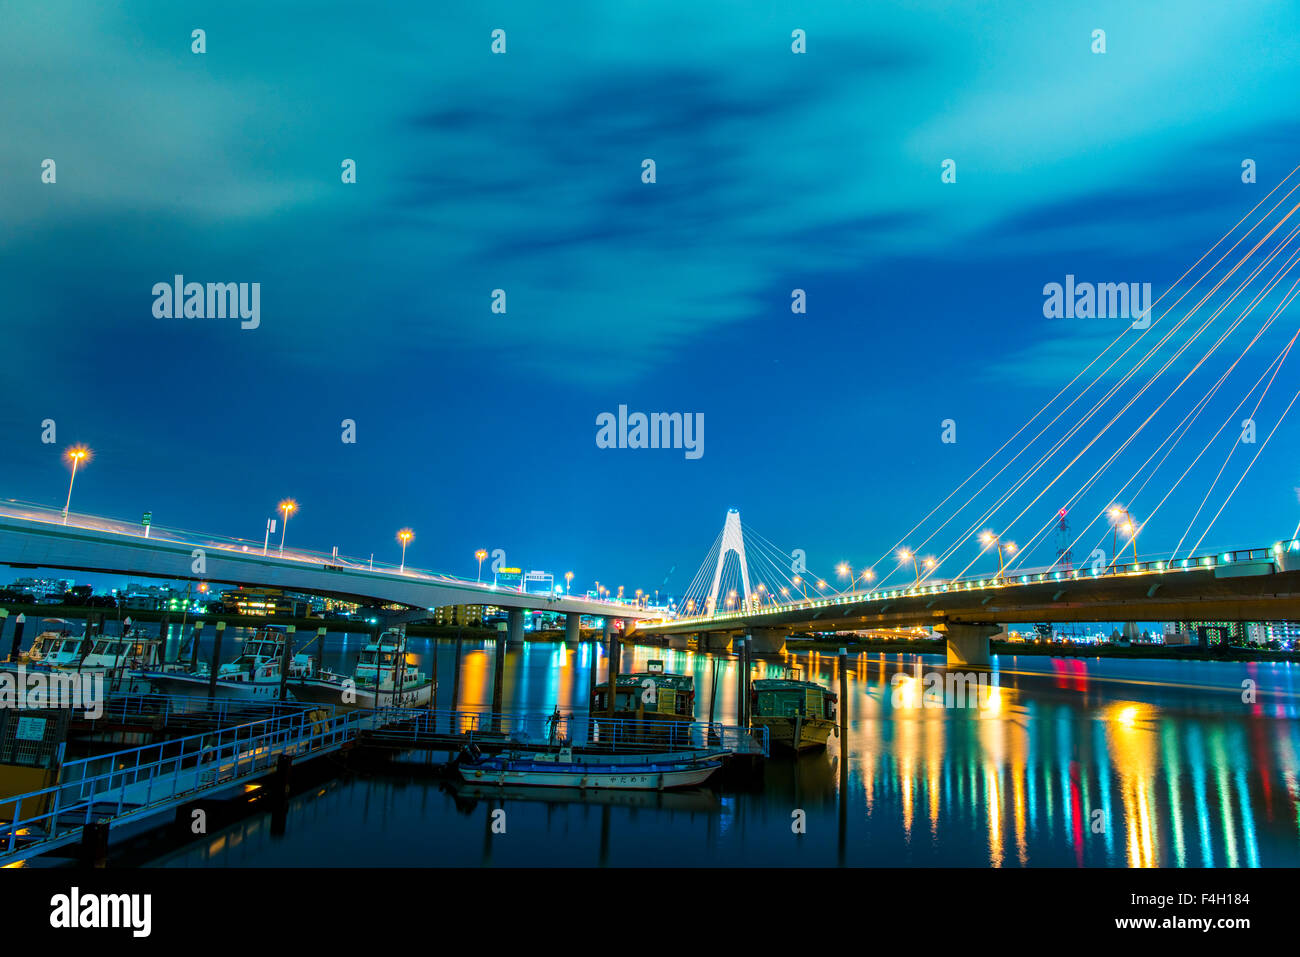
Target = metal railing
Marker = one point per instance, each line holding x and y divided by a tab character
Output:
153	777
544	729
1010	579
121	708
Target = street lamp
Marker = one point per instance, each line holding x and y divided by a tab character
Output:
404	536
844	568
988	538
288	507
480	555
76	455
1127	526
568	582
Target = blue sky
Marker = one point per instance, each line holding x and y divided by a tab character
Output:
522	172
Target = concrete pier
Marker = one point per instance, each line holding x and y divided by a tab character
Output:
767	641
515	631
968	645
572	623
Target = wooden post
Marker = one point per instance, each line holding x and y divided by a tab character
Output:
19	623
216	660
285	654
455	679
498	678
194	647
739	645
164	626
433	678
94	844
320	648
843	661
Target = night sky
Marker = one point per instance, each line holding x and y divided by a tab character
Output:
522	171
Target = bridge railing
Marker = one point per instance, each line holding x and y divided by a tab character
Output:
931	586
30	511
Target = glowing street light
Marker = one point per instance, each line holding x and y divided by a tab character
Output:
76	455
404	536
988	538
287	508
844	569
568	582
1122	521
480	555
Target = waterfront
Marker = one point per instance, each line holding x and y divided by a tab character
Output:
1076	762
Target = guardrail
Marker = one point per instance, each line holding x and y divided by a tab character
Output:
932	586
122	707
543	729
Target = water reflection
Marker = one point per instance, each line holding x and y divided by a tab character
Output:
1069	762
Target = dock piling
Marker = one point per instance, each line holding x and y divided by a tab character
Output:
216	660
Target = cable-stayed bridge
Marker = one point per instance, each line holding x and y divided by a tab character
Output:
1118	489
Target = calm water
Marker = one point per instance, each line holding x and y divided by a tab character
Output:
1182	772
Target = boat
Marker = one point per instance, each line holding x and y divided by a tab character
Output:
254	674
648	696
798	715
381	679
560	770
117	658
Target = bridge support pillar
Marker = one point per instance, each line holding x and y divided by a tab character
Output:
629	624
605	633
968	645
767	641
679	641
715	641
515	632
572	621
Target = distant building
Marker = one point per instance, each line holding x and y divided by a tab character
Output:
466	616
44	590
265	601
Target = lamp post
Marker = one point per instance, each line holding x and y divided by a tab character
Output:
404	536
1127	526
568	583
480	555
845	569
76	455
988	538
287	507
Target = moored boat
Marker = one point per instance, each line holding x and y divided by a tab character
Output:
254	674
117	658
559	770
799	715
382	679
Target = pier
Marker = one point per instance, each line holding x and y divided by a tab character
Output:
211	749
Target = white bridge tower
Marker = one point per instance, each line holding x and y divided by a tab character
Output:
732	541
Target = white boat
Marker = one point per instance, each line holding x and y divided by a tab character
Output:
117	658
254	674
382	679
560	770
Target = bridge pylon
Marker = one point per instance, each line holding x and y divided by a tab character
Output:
732	541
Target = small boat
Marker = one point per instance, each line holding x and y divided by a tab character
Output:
799	715
559	770
381	679
254	674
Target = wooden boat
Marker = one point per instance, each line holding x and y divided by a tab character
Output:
646	698
559	770
254	674
799	715
381	679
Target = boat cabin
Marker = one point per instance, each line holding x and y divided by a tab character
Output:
789	697
673	700
385	659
